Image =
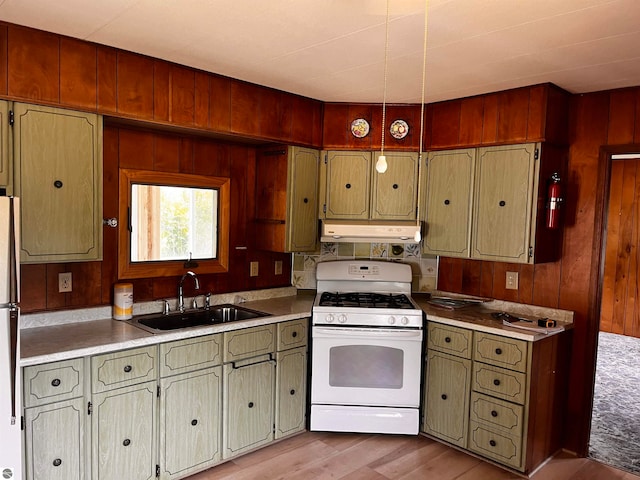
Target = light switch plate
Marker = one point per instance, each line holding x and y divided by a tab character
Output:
512	281
64	282
278	268
253	269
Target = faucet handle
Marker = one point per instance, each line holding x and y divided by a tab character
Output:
207	301
165	307
194	302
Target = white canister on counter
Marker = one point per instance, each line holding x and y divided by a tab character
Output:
122	301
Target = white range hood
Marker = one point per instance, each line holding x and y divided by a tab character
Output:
370	231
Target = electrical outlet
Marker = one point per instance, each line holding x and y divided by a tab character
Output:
512	281
64	282
253	270
278	267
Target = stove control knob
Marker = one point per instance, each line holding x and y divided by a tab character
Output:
329	318
342	318
404	320
391	320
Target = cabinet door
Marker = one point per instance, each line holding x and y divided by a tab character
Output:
54	438
248	343
190	422
506	179
291	380
448	193
446	402
124	433
348	185
6	164
394	192
302	200
58	161
247	406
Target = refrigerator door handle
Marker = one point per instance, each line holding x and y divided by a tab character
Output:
14	313
13	361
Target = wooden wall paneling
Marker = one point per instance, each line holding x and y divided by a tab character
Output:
335	126
55	299
636	136
110	203
445	128
490	119
186	156
135	85
166	153
471	277
135	149
622	112
246	108
161	90
366	112
4	68
201	113
213	159
631	320
556	126
87	292
306	124
486	280
182	97
107	90
513	113
219	103
500	280
33	287
275	115
471	116
537	113
525	283
546	284
34	65
78	74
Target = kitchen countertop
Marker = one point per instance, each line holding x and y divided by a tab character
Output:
49	343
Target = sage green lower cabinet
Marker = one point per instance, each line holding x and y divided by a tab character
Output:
124	433
291	381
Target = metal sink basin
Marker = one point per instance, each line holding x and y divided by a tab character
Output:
158	322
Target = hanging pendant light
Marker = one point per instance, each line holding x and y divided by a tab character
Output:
418	236
381	164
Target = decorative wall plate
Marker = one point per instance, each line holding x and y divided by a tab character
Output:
360	128
399	129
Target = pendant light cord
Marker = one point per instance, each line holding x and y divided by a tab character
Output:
424	74
384	89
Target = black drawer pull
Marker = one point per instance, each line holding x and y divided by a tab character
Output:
294	334
292	392
443	396
305	200
55	382
492	443
348	185
126	442
250	404
494	413
447	339
128	368
395	186
58	184
447	202
496	382
194	422
502	203
498	351
57	462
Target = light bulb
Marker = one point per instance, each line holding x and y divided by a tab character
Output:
381	164
417	237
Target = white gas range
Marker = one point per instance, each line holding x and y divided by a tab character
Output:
366	348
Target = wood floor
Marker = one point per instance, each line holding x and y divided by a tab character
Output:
314	455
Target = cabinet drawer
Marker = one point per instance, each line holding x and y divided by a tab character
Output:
448	339
53	382
499	382
497	414
191	354
500	351
504	448
248	342
120	369
292	334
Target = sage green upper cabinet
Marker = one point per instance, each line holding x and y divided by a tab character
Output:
449	189
58	175
6	177
394	191
356	191
506	179
348	185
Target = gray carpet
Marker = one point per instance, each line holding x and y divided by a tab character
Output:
615	425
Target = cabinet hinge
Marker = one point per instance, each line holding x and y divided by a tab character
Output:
158	391
324	208
11	117
536	154
326	158
89	408
22	424
530	252
157	471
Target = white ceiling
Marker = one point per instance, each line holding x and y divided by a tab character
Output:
333	50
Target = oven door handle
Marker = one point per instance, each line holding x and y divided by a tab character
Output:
343	332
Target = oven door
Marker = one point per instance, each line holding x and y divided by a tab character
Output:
366	366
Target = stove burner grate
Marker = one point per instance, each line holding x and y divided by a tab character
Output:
365	300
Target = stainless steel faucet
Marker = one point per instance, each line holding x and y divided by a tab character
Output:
180	291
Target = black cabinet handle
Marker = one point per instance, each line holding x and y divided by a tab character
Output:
305	200
294	334
348	185
498	351
502	203
58	184
494	413
128	368
447	339
55	382
496	382
292	392
395	186
492	443
57	462
447	202
250	404
443	396
194	422
126	442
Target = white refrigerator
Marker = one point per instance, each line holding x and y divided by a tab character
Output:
10	385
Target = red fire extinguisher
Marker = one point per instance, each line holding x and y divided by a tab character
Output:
554	198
